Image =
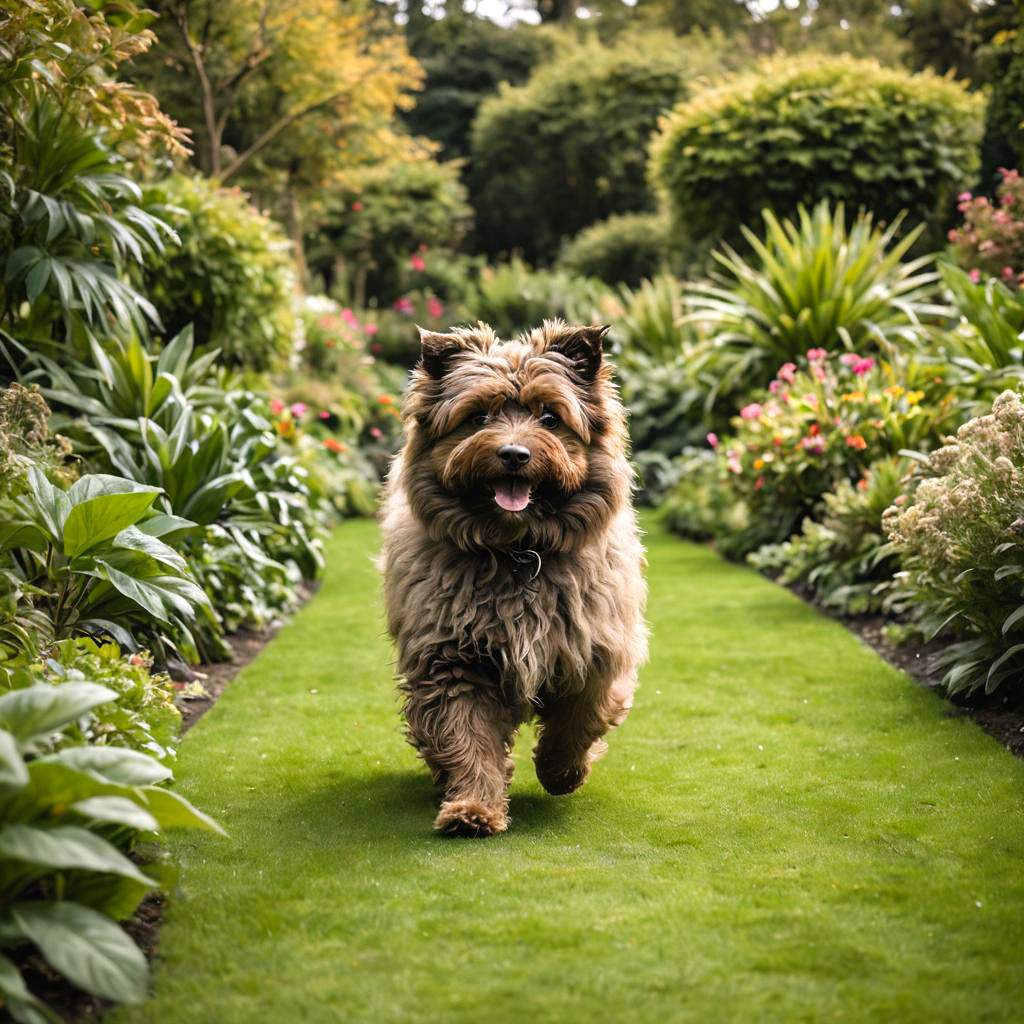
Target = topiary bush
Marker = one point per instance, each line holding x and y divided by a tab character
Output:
802	129
624	249
232	276
568	148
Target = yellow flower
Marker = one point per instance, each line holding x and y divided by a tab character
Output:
913	397
894	390
758	463
853	396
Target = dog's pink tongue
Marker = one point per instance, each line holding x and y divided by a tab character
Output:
512	493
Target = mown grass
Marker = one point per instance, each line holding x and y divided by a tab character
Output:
785	830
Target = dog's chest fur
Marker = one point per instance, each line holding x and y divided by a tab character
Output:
501	619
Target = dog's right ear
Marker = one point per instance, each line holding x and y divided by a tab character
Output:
437	351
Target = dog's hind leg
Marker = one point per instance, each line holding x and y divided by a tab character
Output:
571	730
465	736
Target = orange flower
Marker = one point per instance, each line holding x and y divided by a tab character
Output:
856	441
334	445
386	399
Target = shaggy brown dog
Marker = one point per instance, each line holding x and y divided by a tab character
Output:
513	568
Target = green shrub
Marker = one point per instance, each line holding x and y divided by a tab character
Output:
568	148
803	129
232	277
71	815
844	559
811	283
650	318
381	232
624	249
960	540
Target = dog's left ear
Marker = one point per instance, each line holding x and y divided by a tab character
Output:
437	351
582	346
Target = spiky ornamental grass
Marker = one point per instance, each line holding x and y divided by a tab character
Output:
785	829
809	283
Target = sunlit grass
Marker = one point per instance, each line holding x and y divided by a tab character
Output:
786	829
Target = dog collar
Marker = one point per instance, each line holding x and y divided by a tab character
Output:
527	564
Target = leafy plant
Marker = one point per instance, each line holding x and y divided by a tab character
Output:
650	318
68	815
809	283
960	540
94	558
991	239
801	130
844	559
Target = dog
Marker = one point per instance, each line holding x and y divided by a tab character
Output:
512	562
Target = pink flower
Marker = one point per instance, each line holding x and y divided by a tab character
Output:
751	412
357	206
952	234
849	359
348	316
324	414
814	445
713	440
434	307
734	464
863	366
964	197
759	483
787	371
1007	273
975	275
404	305
811	399
370	329
376	432
298	409
773	388
276	406
815	355
418	263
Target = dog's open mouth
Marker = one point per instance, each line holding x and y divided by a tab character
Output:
512	493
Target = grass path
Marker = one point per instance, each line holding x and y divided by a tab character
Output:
785	830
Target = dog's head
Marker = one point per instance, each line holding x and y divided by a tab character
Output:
517	442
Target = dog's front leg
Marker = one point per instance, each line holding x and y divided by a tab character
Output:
465	736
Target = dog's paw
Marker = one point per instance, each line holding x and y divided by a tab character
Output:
469	818
560	778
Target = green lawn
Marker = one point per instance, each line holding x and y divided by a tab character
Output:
786	829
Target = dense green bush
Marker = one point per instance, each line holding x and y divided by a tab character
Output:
232	277
624	249
382	230
960	541
811	282
803	129
568	148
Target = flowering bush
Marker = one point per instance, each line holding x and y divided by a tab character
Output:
843	559
961	543
814	426
991	240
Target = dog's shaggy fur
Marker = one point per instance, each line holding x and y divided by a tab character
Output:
501	611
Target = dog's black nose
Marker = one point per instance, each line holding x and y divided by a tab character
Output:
514	455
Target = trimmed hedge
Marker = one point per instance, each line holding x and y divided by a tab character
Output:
802	129
624	249
569	147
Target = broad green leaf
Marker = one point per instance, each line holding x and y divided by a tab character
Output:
13	773
135	539
41	709
116	764
171	810
53	504
65	847
117	810
89	949
102	509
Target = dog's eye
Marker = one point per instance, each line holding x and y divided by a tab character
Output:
482	420
549	420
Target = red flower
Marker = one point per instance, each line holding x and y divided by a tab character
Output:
357	206
856	441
